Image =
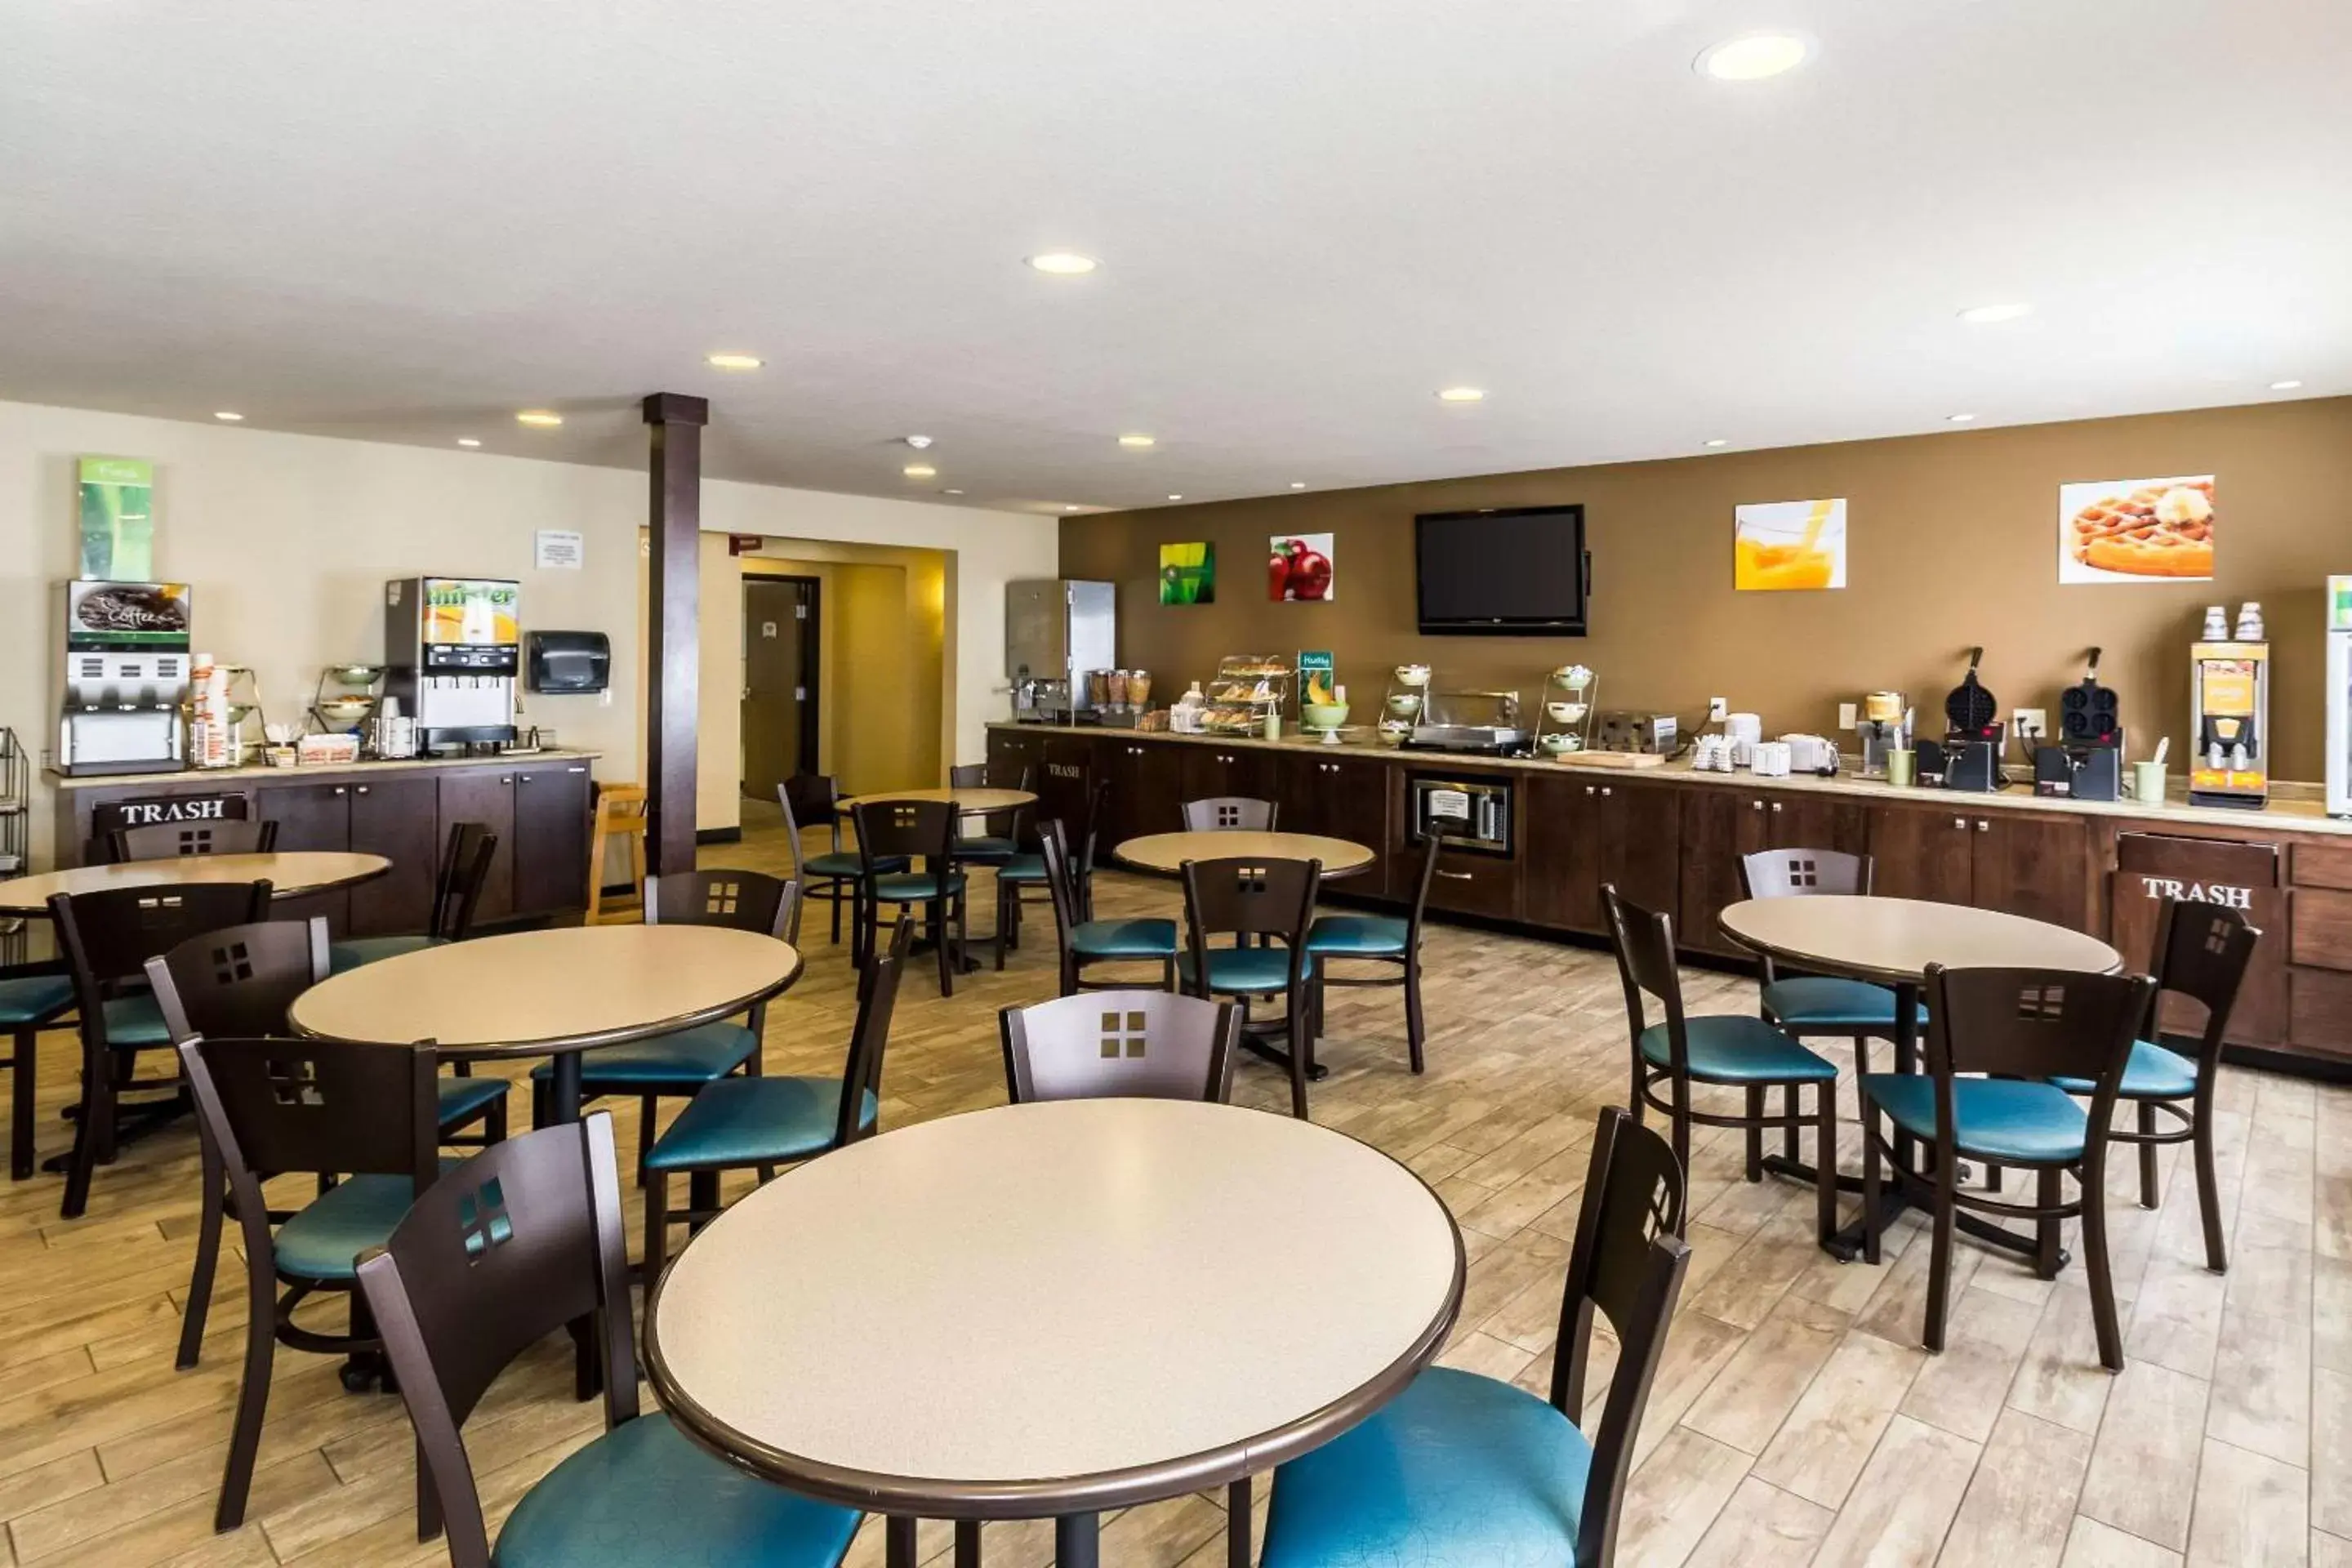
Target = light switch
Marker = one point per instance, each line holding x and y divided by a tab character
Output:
1849	716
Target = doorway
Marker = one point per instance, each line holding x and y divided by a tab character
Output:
780	682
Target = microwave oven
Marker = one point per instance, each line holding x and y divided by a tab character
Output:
1471	813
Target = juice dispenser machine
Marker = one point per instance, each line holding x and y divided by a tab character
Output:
2229	715
452	649
122	654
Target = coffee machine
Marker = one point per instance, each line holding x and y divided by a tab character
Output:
1885	728
2230	718
452	648
123	651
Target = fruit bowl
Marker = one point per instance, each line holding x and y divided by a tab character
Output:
1322	715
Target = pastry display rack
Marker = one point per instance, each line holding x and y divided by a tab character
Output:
1405	703
16	829
1247	688
1564	718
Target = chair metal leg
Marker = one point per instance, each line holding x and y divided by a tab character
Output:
20	1105
646	1120
1789	1126
657	1184
2103	1279
90	1133
1754	1133
898	1542
209	1238
967	1544
2147	1197
1299	1037
1872	1221
1825	1174
2208	1191
252	1395
1077	1540
1414	1029
1940	1261
1237	1525
2049	1191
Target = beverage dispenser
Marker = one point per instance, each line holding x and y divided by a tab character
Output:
2230	712
453	648
123	652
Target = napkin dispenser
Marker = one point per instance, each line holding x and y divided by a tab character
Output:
569	663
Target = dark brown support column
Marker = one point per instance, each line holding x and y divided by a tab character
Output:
674	625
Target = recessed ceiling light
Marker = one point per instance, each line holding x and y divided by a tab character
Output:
468	441
1986	315
1137	442
1298	484
1715	441
545	419
1175	498
1064	263
2284	385
917	442
919	471
1071	506
1754	57
1461	394
1962	418
950	492
733	362
224	414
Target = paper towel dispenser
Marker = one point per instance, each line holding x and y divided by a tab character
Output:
568	663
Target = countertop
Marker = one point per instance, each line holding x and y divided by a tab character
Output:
2282	816
206	778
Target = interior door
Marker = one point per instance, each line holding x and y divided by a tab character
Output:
780	699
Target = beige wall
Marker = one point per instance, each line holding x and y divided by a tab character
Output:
1953	542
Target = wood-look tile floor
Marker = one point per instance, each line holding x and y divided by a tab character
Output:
1795	1420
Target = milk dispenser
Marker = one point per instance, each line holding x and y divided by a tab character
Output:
123	652
452	648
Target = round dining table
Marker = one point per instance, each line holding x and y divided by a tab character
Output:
978	800
1891	942
1050	1309
551	993
289	873
1169	851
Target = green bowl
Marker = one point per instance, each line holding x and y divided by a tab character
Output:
1323	715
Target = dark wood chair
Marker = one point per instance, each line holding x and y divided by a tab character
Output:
1260	903
2201	953
107	937
906	831
831	876
210	835
523	1240
1379	939
681	1064
1152	1045
32	997
999	838
1463	1469
456	893
1730	1050
2019	1027
1230	813
237	983
760	1123
1085	940
365	1114
1022	876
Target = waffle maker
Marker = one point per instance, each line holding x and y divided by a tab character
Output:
2086	763
1969	756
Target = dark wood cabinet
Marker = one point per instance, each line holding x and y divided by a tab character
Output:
2032	865
1583	832
2250	877
1721	823
1212	770
1064	779
313	817
550	832
1473	884
487	795
1922	852
1341	797
399	817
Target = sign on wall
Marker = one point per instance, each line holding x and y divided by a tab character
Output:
117	516
1786	545
1299	568
560	549
1188	574
2137	531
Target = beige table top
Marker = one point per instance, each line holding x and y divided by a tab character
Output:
540	991
1085	1304
289	873
1896	939
975	800
1169	851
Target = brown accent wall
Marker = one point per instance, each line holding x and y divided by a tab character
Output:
1952	541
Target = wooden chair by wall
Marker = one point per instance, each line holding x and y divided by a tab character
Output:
620	813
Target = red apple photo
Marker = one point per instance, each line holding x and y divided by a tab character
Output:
1299	567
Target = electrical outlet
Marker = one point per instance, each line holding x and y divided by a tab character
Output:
1717	709
2032	723
1849	716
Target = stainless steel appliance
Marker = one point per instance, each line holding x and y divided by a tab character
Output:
2339	696
453	648
2229	724
1623	730
122	675
1472	813
1885	728
1057	634
1484	723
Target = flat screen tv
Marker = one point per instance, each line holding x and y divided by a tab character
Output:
1508	571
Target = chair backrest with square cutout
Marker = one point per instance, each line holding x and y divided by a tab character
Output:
323	1107
1121	1044
740	900
1627	1263
108	936
1644	942
1795	873
522	1239
2202	952
1229	813
240	980
2032	1023
912	830
204	835
869	1038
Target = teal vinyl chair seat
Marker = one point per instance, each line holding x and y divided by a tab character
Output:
1999	1118
1731	1047
843	863
1022	868
345	956
1358	936
917	887
1124	939
35	999
2152	1073
463	1098
1245	971
988	848
1819	1002
643	1494
1458	1472
755	1122
325	1240
135	1020
693	1056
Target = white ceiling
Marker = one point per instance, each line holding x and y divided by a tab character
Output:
406	221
